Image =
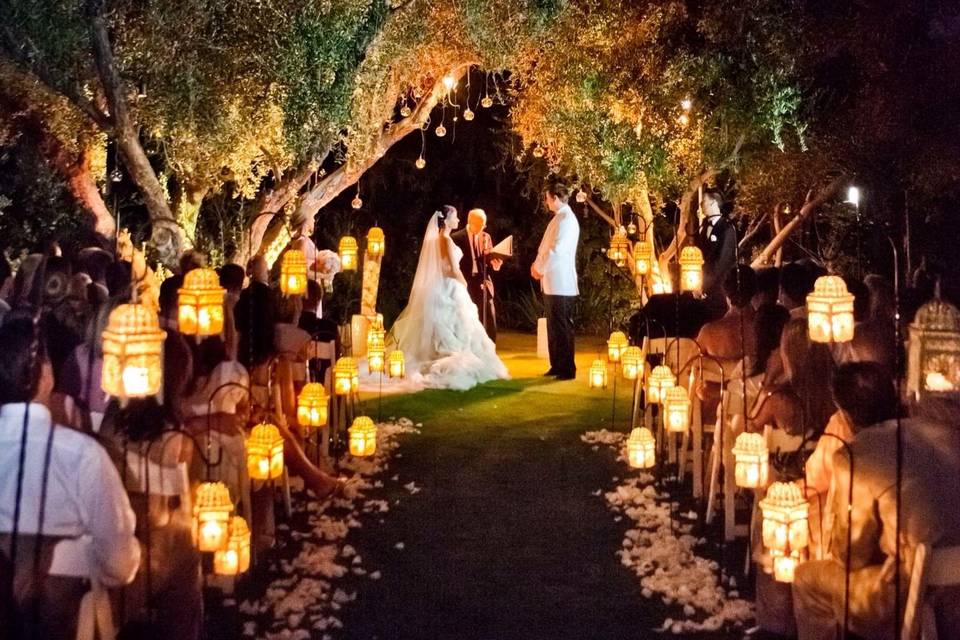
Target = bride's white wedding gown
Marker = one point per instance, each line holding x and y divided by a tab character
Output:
440	333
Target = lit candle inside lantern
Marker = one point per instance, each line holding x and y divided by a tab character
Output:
376	242
211	516
235	559
641	449
632	363
691	269
363	437
785	514
293	273
348	253
830	311
616	345
200	303
343	376
132	352
676	406
752	461
642	255
785	566
396	366
375	361
660	379
312	405
598	375
265	452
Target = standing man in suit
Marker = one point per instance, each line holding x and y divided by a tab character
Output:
476	245
556	268
717	239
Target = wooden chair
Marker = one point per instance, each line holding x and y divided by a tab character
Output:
931	568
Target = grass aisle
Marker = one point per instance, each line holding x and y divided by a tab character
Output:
505	540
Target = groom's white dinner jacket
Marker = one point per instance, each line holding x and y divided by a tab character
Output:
557	256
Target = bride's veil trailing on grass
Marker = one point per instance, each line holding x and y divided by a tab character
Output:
413	331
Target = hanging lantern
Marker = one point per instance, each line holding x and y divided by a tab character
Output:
676	408
211	516
619	246
375	350
468	115
691	269
830	311
616	345
348	253
132	352
357	202
441	131
598	375
785	565
293	273
235	559
363	437
631	227
933	351
346	376
395	365
405	111
661	286
752	461
632	363
785	518
641	449
265	452
660	379
200	304
376	242
312	405
642	256
487	102
421	162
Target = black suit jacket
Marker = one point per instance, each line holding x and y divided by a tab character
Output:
474	282
719	249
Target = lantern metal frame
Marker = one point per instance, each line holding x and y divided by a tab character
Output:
202	294
293	272
349	252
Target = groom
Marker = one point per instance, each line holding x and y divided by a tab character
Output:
476	244
556	268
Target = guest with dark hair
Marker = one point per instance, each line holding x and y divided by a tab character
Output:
874	337
95	262
254	317
796	281
231	279
768	287
119	279
87	516
320	329
731	337
177	354
928	508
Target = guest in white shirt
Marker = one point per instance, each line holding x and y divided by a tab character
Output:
86	517
556	268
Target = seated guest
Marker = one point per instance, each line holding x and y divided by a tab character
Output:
87	515
768	287
929	510
796	281
152	457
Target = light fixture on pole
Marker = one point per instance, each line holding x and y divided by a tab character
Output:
396	367
617	345
363	437
641	449
200	304
785	514
312	408
265	452
348	253
293	273
598	374
751	461
691	269
132	352
830	311
376	242
676	409
933	349
659	380
632	363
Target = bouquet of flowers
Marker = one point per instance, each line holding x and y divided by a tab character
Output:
327	265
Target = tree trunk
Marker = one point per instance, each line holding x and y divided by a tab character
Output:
186	206
83	186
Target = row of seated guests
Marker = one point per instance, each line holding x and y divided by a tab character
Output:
103	488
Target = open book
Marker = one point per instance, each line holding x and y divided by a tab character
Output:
503	250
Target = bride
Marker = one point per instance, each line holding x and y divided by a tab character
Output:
439	331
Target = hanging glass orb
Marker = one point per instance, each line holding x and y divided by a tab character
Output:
405	111
641	449
312	405
348	253
598	375
676	409
265	452
830	311
632	363
376	242
396	367
616	345
132	352
356	203
691	269
468	115
363	437
643	257
660	379
293	273
752	461
116	175
487	102
933	350
211	516
235	559
420	163
631	228
441	131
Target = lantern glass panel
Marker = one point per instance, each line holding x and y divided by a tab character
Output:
132	352
598	375
830	311
265	453
293	273
211	516
752	461
363	437
396	366
631	362
676	405
616	345
641	449
200	303
312	405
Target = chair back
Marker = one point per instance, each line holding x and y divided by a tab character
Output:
931	568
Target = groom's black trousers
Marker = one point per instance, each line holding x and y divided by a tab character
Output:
559	310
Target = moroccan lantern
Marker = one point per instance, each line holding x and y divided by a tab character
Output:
200	304
598	375
346	376
619	246
641	449
376	242
363	437
348	253
375	362
830	311
293	273
785	565
933	351
376	348
752	461
660	379
312	405
691	269
235	559
265	452
642	256
632	363
785	516
211	516
395	364
616	345
132	352
676	408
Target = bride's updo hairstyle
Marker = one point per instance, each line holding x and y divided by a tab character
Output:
445	212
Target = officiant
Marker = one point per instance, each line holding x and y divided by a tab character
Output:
475	264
